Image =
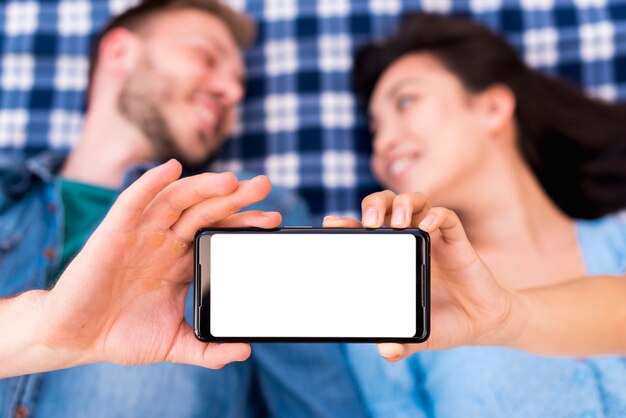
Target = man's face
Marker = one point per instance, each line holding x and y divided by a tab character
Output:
183	91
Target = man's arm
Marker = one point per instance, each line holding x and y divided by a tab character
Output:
20	349
122	298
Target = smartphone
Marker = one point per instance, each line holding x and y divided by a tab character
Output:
312	285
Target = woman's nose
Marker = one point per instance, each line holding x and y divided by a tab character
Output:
385	139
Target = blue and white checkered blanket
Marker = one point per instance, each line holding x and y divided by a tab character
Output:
300	122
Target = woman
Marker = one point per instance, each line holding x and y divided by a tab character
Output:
522	159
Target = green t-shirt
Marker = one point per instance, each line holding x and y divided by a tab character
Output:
85	206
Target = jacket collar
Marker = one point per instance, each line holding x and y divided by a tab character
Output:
19	172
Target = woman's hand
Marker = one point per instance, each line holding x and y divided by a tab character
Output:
468	306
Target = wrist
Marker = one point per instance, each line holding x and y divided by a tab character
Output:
28	311
54	339
513	328
510	326
20	317
46	351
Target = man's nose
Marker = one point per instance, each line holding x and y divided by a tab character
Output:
229	88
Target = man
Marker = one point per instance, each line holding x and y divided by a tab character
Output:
165	79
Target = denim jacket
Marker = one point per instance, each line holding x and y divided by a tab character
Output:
31	238
31	227
31	217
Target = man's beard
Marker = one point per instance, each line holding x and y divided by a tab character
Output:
140	102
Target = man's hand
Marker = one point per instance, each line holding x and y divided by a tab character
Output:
468	306
122	298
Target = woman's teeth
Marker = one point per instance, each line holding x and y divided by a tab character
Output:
398	167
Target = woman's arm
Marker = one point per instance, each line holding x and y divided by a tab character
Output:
583	317
122	298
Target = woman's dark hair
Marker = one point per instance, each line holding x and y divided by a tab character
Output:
576	146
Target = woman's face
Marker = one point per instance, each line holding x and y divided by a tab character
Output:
427	129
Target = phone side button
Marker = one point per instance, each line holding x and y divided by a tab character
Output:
198	287
423	284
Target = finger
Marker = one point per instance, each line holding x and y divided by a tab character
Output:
408	210
251	219
187	349
214	210
451	249
179	196
392	351
131	203
447	222
375	207
337	222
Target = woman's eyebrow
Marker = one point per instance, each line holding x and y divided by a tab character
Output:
393	90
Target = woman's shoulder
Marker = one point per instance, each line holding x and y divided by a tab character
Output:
603	243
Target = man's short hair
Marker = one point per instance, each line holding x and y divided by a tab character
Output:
239	24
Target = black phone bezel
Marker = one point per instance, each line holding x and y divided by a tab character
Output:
201	321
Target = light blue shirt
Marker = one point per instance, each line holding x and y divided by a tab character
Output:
498	382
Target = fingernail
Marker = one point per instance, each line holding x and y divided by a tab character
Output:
427	221
398	217
390	355
370	217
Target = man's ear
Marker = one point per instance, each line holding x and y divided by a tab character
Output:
497	104
119	51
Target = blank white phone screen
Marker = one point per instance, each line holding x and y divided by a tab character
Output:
313	285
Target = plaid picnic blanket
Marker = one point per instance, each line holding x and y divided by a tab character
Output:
300	122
